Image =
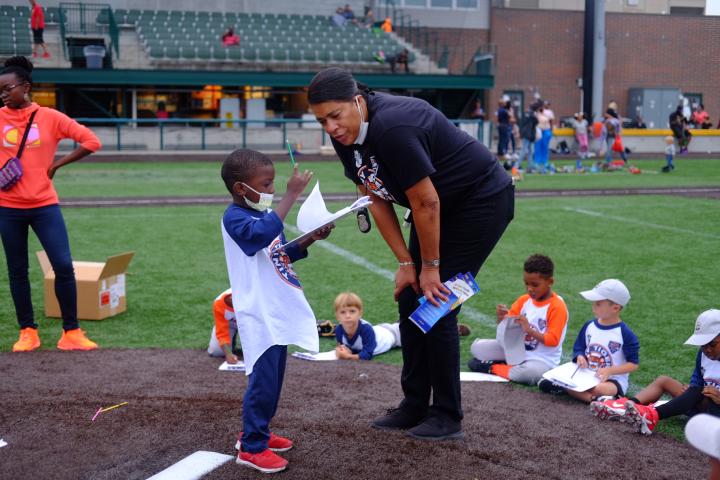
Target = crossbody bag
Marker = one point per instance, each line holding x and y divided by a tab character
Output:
12	171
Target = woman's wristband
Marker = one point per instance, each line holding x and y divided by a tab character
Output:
435	262
406	264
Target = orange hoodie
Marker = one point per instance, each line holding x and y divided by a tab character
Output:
35	188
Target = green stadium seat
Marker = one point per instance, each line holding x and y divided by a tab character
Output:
295	55
7	49
156	51
324	56
352	56
203	52
265	54
235	54
309	55
220	53
172	52
250	54
280	54
187	53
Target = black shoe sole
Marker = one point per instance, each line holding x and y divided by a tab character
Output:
450	436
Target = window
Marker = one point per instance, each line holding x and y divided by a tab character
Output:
441	3
466	3
416	3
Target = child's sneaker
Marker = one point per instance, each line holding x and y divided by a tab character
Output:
547	386
29	340
266	461
276	443
46	55
482	366
75	340
610	409
645	417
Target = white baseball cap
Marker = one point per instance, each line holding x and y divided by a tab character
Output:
707	327
703	433
611	289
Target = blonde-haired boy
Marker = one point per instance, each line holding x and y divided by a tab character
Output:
357	339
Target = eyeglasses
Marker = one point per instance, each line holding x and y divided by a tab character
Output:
8	88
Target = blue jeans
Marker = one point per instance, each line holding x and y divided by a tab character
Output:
503	139
526	151
49	226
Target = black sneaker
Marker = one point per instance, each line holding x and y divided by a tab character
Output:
547	386
397	419
483	366
437	428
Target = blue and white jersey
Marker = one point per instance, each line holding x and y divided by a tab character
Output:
368	341
270	307
706	373
607	346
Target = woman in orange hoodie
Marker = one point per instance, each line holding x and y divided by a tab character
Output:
32	202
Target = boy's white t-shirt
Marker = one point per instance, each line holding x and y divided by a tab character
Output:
269	303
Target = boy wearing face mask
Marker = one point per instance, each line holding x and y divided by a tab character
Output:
268	300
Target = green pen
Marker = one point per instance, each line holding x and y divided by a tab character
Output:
292	158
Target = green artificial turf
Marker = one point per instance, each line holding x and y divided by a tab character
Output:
203	178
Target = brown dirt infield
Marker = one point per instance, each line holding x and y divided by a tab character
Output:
180	403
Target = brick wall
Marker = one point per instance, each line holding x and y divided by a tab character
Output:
542	51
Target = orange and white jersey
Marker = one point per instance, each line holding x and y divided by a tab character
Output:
224	316
549	317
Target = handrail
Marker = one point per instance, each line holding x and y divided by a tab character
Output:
204	123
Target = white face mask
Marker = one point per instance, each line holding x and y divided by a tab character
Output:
262	204
363	124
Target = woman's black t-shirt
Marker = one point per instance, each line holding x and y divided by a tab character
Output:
409	140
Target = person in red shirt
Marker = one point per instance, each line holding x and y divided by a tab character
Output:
37	24
33	202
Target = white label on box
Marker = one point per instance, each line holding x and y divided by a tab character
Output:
121	284
103	285
114	297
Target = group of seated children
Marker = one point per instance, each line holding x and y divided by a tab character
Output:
605	345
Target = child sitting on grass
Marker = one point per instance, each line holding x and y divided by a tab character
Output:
604	344
702	395
357	339
268	299
543	316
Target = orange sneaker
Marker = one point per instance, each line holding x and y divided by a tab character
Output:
75	340
29	340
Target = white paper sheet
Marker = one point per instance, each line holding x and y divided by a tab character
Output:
314	215
568	376
512	338
316	357
2	443
232	367
480	377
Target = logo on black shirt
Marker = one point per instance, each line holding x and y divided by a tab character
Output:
368	174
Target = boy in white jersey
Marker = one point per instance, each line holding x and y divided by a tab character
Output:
703	392
543	317
605	344
270	307
357	339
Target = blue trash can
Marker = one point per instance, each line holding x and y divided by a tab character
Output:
94	55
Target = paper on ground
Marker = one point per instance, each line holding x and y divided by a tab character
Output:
193	467
480	377
511	337
316	357
2	443
565	376
232	367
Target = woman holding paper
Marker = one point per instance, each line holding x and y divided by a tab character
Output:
401	150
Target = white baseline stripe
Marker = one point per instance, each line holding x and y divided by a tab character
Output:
387	274
193	467
641	222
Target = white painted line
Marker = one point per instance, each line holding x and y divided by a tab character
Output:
387	274
634	221
2	443
193	467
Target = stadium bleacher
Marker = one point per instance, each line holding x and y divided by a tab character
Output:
181	37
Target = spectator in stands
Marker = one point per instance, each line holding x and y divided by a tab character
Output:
369	19
387	25
229	38
338	17
37	24
706	123
402	58
162	113
679	127
638	122
478	113
349	14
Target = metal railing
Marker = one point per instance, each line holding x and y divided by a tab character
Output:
127	127
86	19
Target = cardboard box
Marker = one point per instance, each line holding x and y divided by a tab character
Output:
100	287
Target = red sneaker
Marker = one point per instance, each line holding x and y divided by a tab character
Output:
645	417
610	409
276	443
28	341
46	55
265	461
